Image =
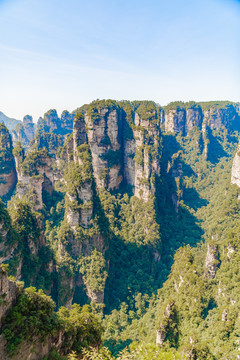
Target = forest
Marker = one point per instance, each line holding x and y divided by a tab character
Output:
119	233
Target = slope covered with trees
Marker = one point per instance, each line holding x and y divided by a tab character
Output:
134	213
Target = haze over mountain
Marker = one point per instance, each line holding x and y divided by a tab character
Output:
9	122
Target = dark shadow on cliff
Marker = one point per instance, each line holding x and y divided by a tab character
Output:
170	146
216	150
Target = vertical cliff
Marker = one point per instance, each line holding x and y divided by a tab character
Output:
235	175
80	231
8	293
181	117
175	121
104	131
24	132
146	133
8	176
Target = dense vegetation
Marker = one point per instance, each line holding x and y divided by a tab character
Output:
151	271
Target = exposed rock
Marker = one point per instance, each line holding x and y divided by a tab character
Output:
194	117
8	176
40	178
8	293
24	131
147	156
104	131
175	121
235	177
224	315
211	261
67	121
167	318
34	350
52	120
231	250
181	118
221	117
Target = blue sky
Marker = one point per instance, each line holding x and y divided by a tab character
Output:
61	54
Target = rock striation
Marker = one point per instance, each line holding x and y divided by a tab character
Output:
104	138
146	160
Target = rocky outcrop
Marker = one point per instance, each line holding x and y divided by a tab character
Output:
51	123
182	118
146	166
24	132
35	176
175	121
83	232
221	117
8	293
8	176
167	322
211	261
235	176
67	121
104	137
34	350
194	118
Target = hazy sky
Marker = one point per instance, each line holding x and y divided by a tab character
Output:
61	54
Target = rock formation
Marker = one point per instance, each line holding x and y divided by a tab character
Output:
182	118
8	293
146	133
235	176
104	131
8	176
211	261
35	175
24	132
175	121
166	324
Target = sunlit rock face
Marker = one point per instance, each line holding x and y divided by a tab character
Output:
184	118
175	121
146	165
235	176
104	137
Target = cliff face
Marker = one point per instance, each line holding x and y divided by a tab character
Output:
8	175
104	131
184	117
235	176
8	294
175	121
83	231
51	123
146	161
24	132
211	261
35	175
